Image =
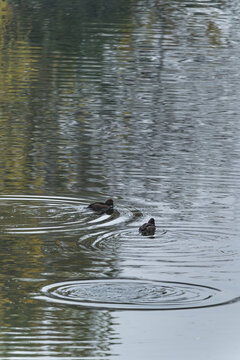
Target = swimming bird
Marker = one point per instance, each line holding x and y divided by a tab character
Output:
102	207
148	228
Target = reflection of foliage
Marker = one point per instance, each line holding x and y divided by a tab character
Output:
67	66
54	21
36	38
17	62
31	30
214	33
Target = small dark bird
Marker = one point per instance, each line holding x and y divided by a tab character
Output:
148	228
102	207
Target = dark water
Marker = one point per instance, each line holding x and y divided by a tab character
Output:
138	101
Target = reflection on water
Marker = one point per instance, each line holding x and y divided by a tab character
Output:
137	101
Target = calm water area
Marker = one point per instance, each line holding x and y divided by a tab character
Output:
138	101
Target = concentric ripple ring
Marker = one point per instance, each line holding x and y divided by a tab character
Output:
40	214
133	294
33	214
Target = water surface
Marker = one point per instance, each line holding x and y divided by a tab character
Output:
137	101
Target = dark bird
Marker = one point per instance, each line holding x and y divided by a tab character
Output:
148	228
102	207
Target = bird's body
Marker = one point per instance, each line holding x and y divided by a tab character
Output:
148	228
102	207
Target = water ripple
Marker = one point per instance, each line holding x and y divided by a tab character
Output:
133	294
31	214
178	246
40	214
184	244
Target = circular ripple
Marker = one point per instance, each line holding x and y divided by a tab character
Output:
43	214
169	247
132	294
39	214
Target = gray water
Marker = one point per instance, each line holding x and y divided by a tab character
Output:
138	101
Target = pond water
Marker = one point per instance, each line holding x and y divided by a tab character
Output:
137	101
